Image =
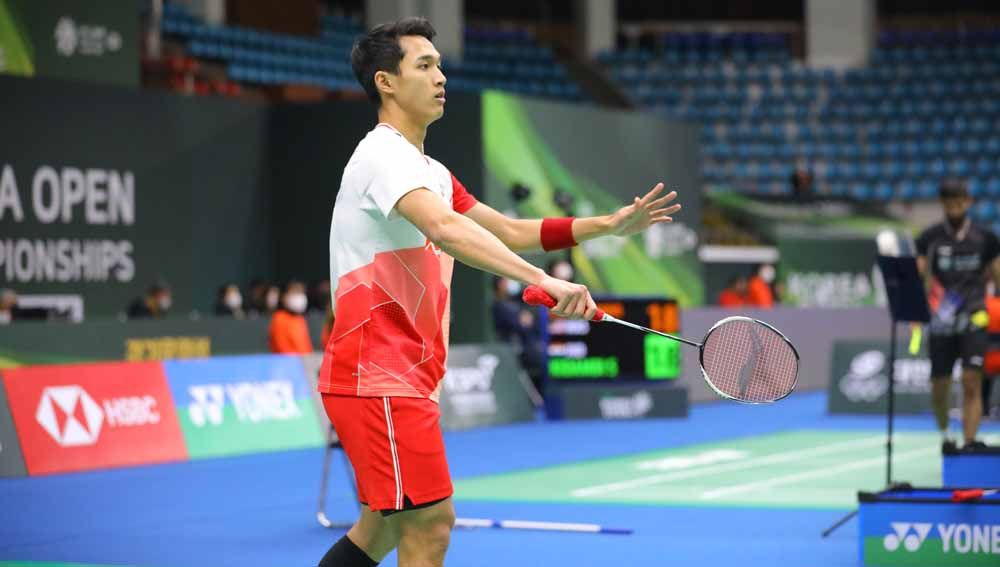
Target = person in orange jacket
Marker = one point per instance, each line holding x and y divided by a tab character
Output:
991	364
759	293
735	294
289	333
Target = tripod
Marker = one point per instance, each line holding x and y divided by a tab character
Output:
907	304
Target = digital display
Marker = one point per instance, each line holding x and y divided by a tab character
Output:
585	351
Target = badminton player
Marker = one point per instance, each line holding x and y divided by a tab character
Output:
400	220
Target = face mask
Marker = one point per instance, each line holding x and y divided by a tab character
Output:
233	300
296	302
512	288
165	302
271	300
562	271
767	274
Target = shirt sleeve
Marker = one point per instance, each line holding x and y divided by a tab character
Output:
922	242
461	199
398	169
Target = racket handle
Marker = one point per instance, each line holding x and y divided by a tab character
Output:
966	495
534	295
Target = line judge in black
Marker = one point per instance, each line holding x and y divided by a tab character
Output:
957	258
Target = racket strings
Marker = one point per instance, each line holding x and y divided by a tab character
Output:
750	362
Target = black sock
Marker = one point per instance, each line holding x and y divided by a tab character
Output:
345	554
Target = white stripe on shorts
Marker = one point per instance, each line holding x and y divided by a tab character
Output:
395	456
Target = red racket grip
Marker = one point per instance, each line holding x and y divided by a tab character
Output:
966	495
534	295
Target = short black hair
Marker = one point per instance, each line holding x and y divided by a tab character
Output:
379	50
953	188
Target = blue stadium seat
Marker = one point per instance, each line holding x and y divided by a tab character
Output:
906	190
984	211
927	189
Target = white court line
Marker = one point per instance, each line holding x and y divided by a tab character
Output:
819	473
782	457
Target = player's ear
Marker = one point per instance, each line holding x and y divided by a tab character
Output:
385	82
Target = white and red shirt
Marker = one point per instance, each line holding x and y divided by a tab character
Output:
390	284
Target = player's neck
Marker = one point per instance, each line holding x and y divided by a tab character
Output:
414	132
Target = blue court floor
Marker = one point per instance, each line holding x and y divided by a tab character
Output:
259	511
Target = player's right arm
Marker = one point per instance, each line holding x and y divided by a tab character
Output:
475	246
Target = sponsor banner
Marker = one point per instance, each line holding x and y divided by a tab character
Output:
93	416
136	341
245	404
620	402
11	460
87	41
605	174
859	378
484	385
820	270
909	533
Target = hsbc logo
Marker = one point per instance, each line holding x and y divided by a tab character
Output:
69	415
73	419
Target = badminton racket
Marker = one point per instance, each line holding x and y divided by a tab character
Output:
741	359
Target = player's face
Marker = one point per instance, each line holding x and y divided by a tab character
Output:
956	207
420	84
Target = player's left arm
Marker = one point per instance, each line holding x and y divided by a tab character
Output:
523	235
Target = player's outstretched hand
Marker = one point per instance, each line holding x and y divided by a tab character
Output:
644	212
573	301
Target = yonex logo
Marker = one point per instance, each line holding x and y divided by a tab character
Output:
253	402
69	415
910	541
207	406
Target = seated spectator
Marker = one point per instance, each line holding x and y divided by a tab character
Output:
229	302
264	297
735	294
8	303
759	292
154	305
518	324
319	297
289	332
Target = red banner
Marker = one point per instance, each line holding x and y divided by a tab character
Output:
93	416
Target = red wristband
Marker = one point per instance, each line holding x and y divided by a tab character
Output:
557	233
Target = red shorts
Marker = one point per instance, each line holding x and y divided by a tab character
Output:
396	449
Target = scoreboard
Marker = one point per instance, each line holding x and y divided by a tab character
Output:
587	352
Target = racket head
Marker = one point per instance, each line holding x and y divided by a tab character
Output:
749	361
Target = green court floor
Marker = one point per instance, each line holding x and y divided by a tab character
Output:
797	469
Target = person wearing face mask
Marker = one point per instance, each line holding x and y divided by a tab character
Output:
229	302
289	332
154	305
759	291
518	324
957	257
